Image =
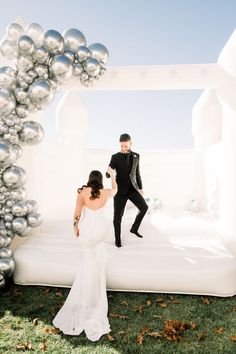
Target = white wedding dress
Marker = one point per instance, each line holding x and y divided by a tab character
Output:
85	308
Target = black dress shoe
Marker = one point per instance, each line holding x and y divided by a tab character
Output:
136	233
118	244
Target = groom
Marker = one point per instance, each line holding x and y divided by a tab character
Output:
126	164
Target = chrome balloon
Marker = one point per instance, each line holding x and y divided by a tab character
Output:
7	78
24	62
7	102
32	205
22	111
2	281
36	33
19	225
34	219
82	54
7	267
14	177
74	39
99	52
41	92
31	133
18	194
5	253
92	67
14	31
19	208
41	55
8	49
26	45
61	68
53	42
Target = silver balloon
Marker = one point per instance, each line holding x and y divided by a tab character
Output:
22	111
8	49
8	241
53	42
7	153
31	133
2	241
92	67
36	33
70	55
82	54
2	281
18	194
14	31
8	217
41	55
41	92
41	71
12	139
78	69
21	95
99	52
61	68
32	205
74	39
26	232
34	219
7	78
19	225
19	208
14	177
5	253
24	62
26	45
7	102
7	266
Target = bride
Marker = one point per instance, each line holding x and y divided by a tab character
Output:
85	308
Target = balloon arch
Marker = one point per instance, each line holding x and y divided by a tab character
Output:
44	61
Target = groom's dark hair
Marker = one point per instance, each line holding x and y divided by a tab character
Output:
125	137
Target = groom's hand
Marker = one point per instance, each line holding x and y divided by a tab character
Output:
76	232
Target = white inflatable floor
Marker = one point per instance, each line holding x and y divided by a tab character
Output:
178	254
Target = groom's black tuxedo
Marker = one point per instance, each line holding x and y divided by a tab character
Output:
127	171
129	183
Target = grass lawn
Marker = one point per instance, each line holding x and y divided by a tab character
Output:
140	323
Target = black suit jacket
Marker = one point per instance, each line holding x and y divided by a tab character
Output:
123	176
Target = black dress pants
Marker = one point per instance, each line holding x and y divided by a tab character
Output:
119	206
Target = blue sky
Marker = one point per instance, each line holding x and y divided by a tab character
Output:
137	32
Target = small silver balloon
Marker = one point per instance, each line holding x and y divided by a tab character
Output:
8	217
41	71
41	55
18	194
7	153
19	225
74	39
5	253
41	92
32	205
70	55
82	54
7	266
7	78
61	68
99	52
24	62
19	208
53	42
34	219
14	177
26	45
14	31
31	133
77	69
36	33
22	111
21	95
8	241
92	67
18	150
8	49
2	241
7	102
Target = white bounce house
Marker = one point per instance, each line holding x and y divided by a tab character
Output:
189	243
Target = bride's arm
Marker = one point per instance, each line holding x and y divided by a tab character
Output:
77	212
113	189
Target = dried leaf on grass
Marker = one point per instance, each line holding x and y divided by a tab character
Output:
156	334
139	308
219	330
52	330
174	329
140	339
148	302
43	347
205	300
116	315
35	321
162	304
59	293
124	302
110	338
201	336
233	338
159	299
24	346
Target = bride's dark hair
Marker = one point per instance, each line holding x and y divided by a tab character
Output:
95	182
